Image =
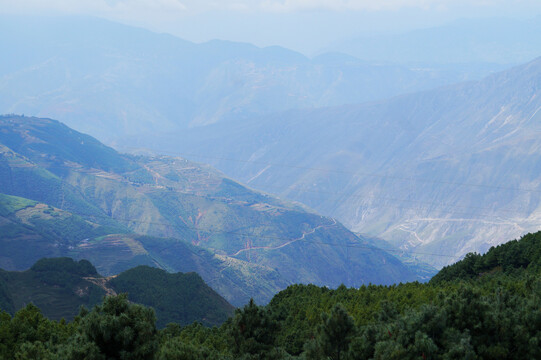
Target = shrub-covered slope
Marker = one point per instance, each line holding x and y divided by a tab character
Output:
57	286
30	230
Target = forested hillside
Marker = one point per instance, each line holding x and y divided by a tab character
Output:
514	256
485	308
58	287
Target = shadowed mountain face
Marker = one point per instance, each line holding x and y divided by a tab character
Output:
113	81
60	286
441	172
70	195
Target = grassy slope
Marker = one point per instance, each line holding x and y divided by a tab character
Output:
47	231
60	144
11	204
21	177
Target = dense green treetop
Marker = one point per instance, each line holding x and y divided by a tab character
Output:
116	329
65	264
516	254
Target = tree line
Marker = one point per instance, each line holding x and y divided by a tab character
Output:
483	307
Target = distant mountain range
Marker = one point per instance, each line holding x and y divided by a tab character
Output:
113	81
66	194
60	286
438	173
493	40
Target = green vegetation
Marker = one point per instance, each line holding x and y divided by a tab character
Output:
334	335
60	143
48	231
115	330
64	265
10	204
59	286
252	333
30	335
511	257
56	286
22	178
485	308
179	298
139	176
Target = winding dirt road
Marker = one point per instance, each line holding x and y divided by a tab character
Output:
284	244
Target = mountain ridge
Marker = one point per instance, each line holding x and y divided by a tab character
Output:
253	243
112	88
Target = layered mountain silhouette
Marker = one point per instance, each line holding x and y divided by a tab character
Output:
432	172
93	76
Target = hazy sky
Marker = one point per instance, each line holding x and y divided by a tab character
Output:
303	25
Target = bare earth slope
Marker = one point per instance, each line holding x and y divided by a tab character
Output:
441	172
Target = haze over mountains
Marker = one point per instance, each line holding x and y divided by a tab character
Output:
112	81
437	172
317	195
466	41
445	171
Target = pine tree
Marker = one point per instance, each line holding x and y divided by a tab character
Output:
116	330
334	336
253	333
